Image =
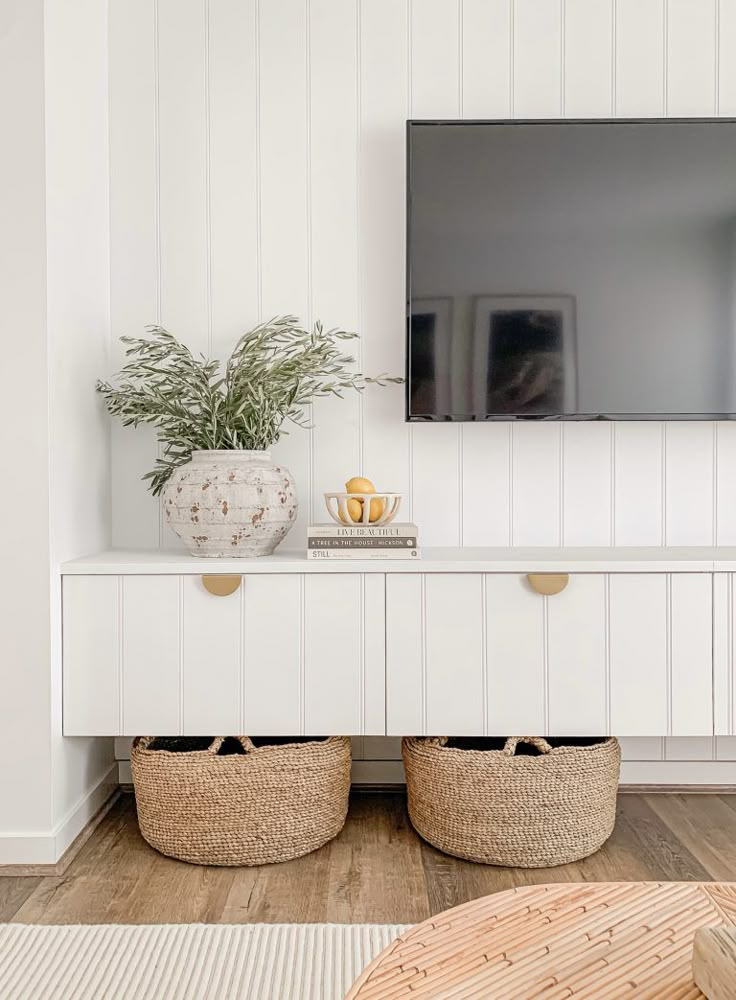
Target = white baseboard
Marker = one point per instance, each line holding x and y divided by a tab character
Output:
45	847
633	772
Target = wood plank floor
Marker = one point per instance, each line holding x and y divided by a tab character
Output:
377	870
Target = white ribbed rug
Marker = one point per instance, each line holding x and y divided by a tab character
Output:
186	961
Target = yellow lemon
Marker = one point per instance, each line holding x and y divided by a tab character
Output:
358	484
355	511
377	508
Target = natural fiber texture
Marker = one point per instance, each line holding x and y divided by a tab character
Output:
502	809
186	961
605	941
272	803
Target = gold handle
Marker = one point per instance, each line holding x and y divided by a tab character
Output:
220	584
548	583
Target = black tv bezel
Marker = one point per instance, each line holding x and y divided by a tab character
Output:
513	417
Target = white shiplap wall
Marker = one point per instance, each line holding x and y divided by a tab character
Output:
257	167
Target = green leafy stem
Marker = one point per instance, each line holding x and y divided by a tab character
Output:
271	377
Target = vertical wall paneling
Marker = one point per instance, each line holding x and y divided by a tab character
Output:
182	87
183	178
587	493
92	646
333	654
724	696
486	58
588	68
211	661
285	207
272	654
515	656
384	106
226	206
134	257
435	58
536	484
638	635
232	148
151	644
576	657
640	66
453	615
333	171
373	634
405	688
638	471
436	92
691	653
691	57
725	483
284	156
436	477
689	484
486	485
538	45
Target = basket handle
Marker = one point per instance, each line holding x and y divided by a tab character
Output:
245	742
536	741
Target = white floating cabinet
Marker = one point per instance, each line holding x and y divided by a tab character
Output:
627	653
639	643
284	654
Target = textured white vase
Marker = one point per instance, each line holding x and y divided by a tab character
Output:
230	503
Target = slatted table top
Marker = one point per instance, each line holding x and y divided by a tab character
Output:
603	940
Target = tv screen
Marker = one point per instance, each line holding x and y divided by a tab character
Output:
571	270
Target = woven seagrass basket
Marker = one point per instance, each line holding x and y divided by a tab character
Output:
504	808
228	802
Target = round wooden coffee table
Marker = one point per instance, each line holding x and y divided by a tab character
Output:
605	940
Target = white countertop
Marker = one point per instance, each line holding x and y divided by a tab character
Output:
433	560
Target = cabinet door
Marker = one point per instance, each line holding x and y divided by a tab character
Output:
546	657
660	654
628	654
434	654
286	654
471	654
314	654
575	651
91	611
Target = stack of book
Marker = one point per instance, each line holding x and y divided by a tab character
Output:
362	541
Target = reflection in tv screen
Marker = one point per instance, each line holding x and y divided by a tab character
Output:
572	270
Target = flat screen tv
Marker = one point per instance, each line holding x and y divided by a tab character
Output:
574	270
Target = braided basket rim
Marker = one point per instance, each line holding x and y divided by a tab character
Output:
310	746
414	743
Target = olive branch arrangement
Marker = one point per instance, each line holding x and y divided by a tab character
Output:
272	375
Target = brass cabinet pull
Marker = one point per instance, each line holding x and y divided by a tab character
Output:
548	583
221	584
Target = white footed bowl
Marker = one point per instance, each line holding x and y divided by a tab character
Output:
337	503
